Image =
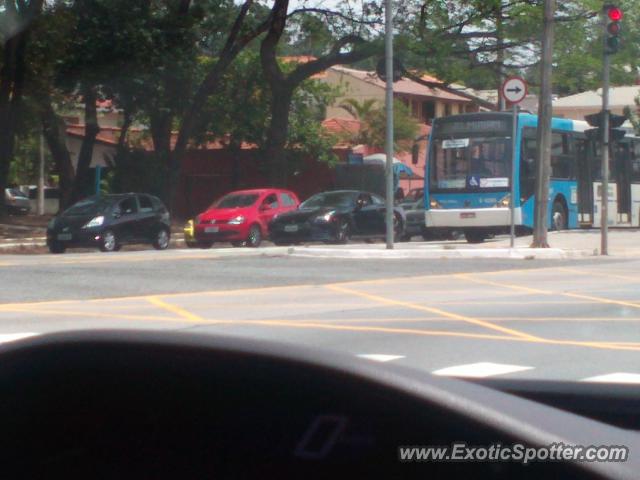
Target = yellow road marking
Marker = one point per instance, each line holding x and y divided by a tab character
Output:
179	311
441	333
437	311
538	291
599	274
86	314
109	259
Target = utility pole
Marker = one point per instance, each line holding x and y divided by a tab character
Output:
611	16
388	56
604	150
543	134
40	203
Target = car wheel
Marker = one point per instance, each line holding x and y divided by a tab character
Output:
475	237
109	242
343	231
559	216
57	247
191	244
161	241
255	237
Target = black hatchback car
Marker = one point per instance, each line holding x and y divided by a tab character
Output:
109	221
335	217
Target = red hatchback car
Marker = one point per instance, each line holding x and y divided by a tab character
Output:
242	217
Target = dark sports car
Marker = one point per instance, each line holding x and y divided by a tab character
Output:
335	217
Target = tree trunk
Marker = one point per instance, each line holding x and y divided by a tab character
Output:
160	126
502	104
54	131
123	146
91	130
543	136
11	85
275	155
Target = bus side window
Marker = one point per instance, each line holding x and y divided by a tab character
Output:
528	165
561	158
635	162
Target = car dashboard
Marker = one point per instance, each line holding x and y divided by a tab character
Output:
173	405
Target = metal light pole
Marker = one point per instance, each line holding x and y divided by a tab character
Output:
40	203
388	43
604	197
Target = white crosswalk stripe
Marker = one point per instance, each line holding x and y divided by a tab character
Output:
480	370
379	357
618	377
12	337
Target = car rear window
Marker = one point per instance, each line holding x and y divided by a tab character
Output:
145	203
287	200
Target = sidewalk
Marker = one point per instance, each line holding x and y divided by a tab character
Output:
564	245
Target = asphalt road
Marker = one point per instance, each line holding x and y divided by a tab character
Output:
571	320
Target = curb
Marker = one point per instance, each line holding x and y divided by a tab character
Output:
380	254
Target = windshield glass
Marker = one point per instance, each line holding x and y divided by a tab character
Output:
471	163
330	199
17	193
236	200
89	206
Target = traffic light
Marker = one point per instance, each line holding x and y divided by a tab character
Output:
612	40
615	122
398	69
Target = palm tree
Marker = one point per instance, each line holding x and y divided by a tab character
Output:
359	110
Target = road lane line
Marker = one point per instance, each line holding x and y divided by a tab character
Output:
453	316
538	291
179	311
378	357
106	259
436	333
87	314
599	274
12	337
480	370
618	377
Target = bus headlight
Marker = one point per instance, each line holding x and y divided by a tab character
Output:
433	204
504	202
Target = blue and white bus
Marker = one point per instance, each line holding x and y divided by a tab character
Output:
468	171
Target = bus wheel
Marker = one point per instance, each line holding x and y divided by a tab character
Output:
474	236
559	216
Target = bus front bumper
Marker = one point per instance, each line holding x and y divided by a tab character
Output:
471	217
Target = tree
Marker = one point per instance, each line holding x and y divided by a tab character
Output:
372	118
283	82
240	112
16	20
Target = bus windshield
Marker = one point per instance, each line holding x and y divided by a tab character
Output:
470	163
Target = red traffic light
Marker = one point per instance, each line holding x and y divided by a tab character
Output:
615	14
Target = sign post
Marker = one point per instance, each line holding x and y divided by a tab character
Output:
514	90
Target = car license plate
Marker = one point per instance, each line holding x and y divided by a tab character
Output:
64	236
211	229
291	228
468	215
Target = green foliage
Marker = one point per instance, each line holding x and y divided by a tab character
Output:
241	111
373	124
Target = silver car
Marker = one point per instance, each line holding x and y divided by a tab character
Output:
16	201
